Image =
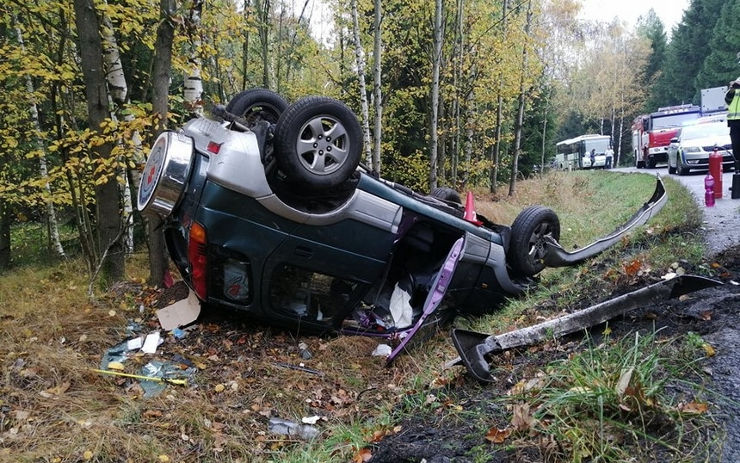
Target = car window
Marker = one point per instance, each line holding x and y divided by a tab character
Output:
306	294
705	130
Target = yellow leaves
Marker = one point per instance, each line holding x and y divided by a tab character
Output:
708	349
87	456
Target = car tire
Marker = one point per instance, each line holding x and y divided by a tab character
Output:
446	194
257	104
528	232
650	163
671	169
318	143
680	169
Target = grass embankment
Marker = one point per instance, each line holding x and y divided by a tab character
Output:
51	335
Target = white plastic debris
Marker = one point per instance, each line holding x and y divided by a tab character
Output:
180	313
383	350
401	309
290	428
135	343
310	419
151	342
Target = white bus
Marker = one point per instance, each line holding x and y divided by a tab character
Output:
575	153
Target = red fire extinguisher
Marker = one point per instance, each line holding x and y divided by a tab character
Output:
715	169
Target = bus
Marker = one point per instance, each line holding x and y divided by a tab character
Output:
575	153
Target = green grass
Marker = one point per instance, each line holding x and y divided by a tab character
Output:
611	399
43	301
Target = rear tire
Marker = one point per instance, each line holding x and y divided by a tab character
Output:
527	251
318	143
257	104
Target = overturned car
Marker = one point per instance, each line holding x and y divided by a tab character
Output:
267	209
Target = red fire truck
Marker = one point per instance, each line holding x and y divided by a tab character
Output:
652	133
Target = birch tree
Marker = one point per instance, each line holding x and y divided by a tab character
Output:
377	85
436	63
41	148
360	62
193	85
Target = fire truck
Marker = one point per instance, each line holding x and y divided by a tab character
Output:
652	133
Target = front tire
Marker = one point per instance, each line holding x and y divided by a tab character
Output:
318	142
680	169
528	232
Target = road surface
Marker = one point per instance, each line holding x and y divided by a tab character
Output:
721	222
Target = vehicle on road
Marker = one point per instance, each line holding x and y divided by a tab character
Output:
652	133
693	144
267	209
574	153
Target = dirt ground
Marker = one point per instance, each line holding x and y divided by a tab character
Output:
714	314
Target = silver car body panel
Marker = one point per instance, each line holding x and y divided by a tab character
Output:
238	167
478	250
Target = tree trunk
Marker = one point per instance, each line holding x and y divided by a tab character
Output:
107	194
263	11
436	63
458	52
360	61
193	85
544	130
496	152
43	170
245	45
4	236
520	112
160	86
377	86
468	153
118	93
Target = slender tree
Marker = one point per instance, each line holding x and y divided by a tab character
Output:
106	190
377	84
160	106
360	62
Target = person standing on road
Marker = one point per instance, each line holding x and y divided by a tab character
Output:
593	157
732	98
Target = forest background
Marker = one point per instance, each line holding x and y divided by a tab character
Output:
466	93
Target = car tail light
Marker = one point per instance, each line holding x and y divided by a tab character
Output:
198	259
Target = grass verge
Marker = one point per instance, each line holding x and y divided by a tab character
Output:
54	409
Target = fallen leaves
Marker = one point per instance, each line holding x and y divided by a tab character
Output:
362	455
497	435
693	408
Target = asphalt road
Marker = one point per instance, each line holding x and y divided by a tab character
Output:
721	222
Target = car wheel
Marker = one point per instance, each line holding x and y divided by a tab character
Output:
671	169
446	194
651	163
680	169
318	142
257	104
528	233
